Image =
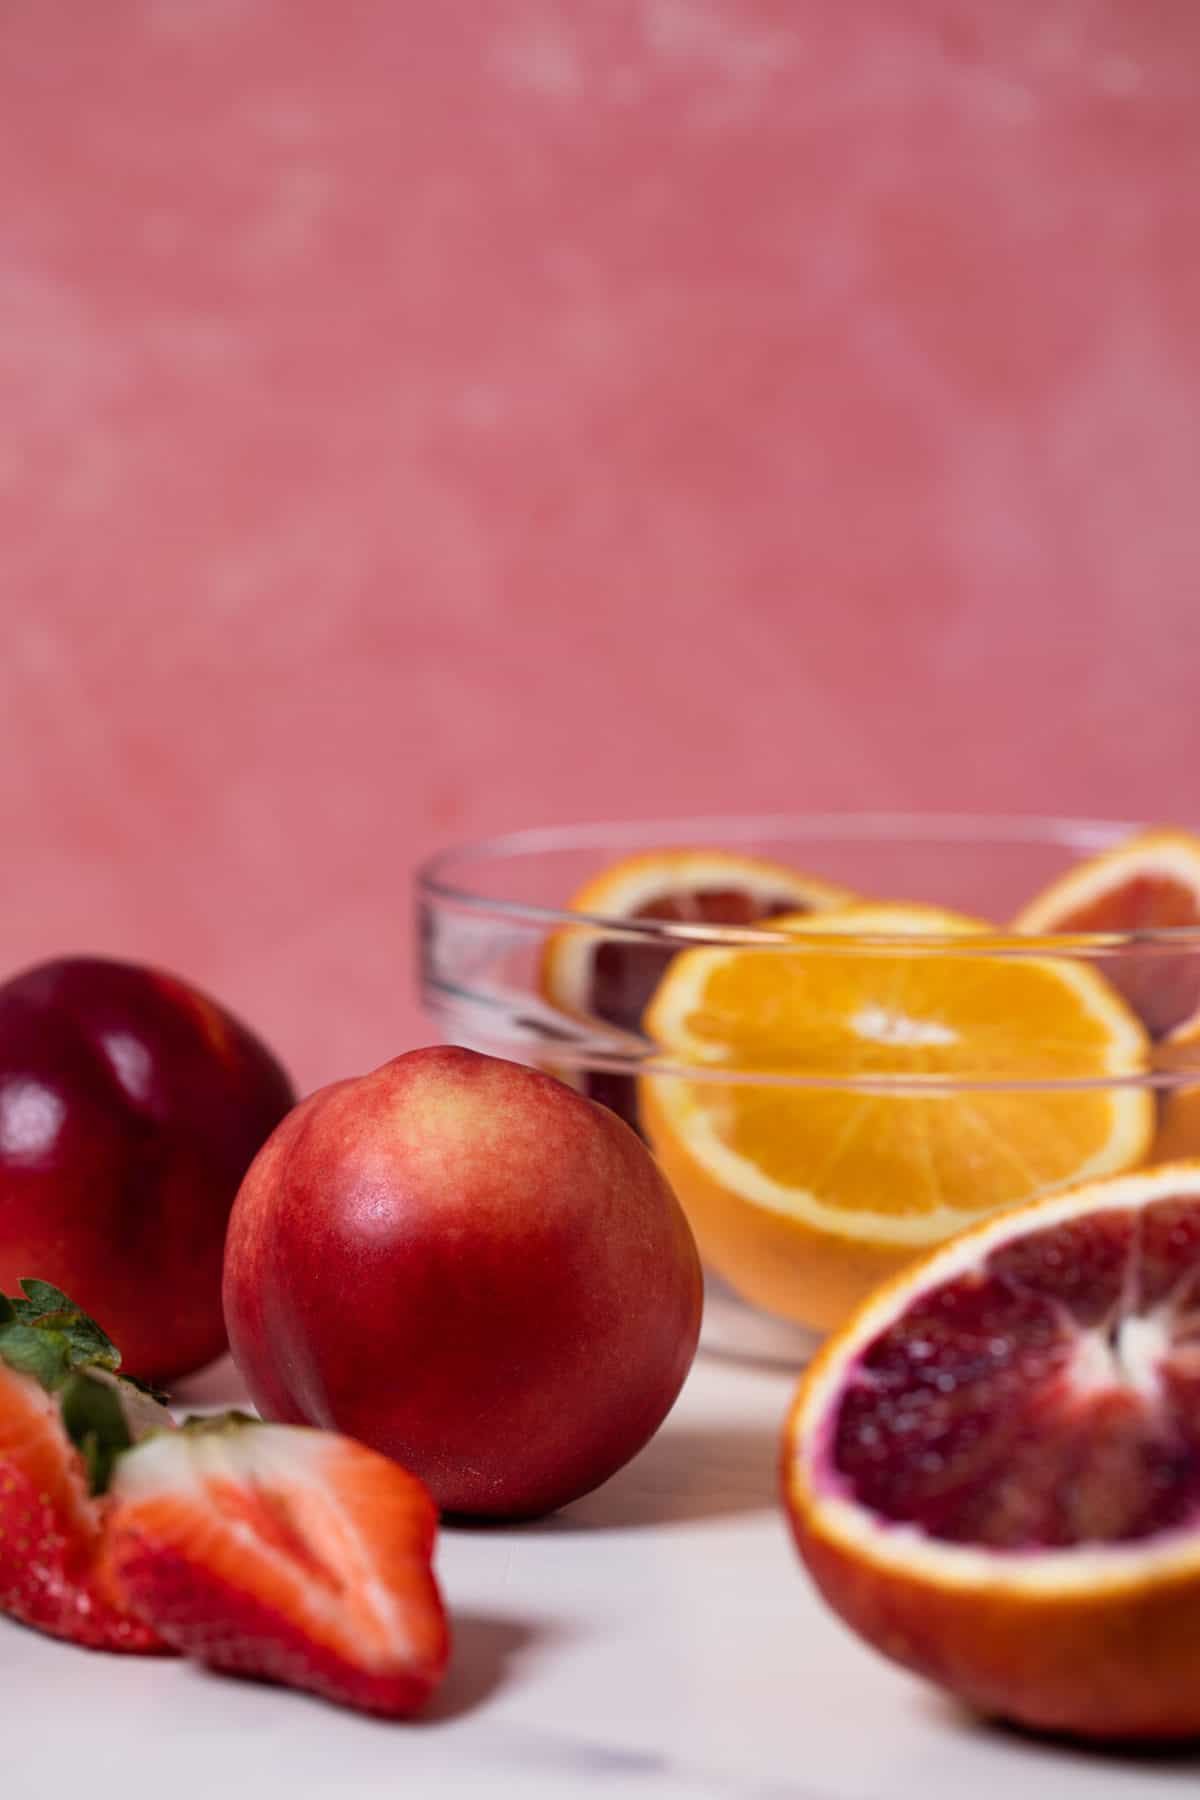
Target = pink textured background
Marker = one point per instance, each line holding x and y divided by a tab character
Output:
424	419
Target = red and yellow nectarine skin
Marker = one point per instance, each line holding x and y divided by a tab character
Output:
470	1267
130	1108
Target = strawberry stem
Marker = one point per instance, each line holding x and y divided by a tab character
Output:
94	1419
44	1334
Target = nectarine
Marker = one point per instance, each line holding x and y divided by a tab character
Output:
470	1267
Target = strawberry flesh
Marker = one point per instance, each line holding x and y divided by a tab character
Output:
51	1575
284	1554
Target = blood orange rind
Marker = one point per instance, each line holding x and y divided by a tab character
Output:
1173	855
1139	895
627	889
1099	1639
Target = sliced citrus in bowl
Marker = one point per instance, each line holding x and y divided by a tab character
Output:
872	1087
993	1471
591	973
1178	1133
1149	884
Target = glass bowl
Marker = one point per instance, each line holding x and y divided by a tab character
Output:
951	1086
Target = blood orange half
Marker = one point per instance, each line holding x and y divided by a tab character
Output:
1150	884
591	973
993	1471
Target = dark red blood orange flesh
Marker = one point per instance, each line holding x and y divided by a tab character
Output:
1048	1398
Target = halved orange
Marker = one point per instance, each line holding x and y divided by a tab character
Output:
807	1167
590	974
993	1471
1150	883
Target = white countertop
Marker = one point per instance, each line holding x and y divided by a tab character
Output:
657	1639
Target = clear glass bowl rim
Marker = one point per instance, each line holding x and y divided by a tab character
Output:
437	882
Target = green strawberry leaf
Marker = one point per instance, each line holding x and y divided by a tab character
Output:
94	1419
88	1343
47	1308
43	1334
31	1350
44	1297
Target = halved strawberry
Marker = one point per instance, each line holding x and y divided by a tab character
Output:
64	1415
288	1554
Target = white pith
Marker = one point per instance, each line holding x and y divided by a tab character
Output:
904	1549
1132	1358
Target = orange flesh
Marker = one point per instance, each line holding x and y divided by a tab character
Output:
625	975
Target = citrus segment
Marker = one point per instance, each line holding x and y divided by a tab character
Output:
993	1471
889	1125
1150	884
590	973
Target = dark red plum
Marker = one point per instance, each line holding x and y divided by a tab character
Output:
131	1106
